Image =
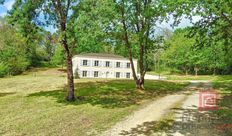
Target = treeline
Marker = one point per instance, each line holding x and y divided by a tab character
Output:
18	55
182	54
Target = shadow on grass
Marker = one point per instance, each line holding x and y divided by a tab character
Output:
113	94
6	94
189	122
149	128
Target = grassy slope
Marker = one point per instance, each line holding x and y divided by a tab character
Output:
33	104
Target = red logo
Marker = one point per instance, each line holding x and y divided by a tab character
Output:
208	100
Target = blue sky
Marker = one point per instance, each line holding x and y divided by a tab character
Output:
7	6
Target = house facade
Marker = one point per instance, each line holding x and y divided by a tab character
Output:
99	65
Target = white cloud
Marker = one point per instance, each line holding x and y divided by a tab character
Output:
185	22
2	14
8	4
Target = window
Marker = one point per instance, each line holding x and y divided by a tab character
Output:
84	73
127	75
118	64
95	74
107	64
96	63
85	62
128	65
117	74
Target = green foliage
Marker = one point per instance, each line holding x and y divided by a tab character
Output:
181	53
58	57
76	74
12	52
92	27
2	1
213	25
3	69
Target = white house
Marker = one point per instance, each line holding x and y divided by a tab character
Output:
101	65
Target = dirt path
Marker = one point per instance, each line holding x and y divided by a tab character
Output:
189	121
152	112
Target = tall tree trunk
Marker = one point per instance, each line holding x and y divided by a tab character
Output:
186	70
196	70
70	88
62	15
137	81
132	64
128	45
141	64
70	94
214	71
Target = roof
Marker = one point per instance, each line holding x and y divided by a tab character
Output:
101	55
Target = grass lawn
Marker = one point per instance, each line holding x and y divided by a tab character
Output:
193	77
33	103
224	85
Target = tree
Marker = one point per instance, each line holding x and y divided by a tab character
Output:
61	14
178	50
58	57
214	23
138	20
49	45
181	53
13	59
2	1
56	13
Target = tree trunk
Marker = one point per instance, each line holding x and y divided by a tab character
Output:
141	64
141	85
186	70
132	64
196	72
214	71
128	45
62	11
70	87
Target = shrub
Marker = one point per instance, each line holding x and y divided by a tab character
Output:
4	69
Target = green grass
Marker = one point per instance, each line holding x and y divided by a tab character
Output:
180	77
33	103
224	86
191	77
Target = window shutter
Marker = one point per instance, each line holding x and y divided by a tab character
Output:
91	73
81	62
88	73
121	74
92	64
115	64
88	63
81	73
99	73
111	64
99	63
